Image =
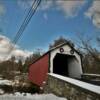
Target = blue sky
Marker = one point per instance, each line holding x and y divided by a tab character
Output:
53	19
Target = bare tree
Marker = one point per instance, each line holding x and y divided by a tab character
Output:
91	60
59	41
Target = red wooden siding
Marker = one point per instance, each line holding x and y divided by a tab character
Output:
38	70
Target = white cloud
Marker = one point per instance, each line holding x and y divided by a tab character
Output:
94	13
46	4
24	4
5	48
70	8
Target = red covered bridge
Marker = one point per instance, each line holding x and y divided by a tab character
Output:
64	60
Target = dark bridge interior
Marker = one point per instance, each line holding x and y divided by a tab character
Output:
60	64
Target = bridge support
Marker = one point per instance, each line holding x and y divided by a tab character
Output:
70	90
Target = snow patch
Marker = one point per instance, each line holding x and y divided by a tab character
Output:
5	82
97	75
27	96
1	91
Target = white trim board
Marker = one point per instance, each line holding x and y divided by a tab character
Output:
88	86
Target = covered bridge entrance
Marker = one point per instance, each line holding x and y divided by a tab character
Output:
64	60
62	64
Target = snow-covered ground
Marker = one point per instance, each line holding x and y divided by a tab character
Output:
5	82
96	75
27	96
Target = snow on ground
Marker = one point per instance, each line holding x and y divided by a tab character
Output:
88	86
87	74
5	82
1	91
27	96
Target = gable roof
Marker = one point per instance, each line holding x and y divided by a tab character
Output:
58	46
65	43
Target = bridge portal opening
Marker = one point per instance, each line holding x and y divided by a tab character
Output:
65	65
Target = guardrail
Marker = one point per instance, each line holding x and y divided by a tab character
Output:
72	89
